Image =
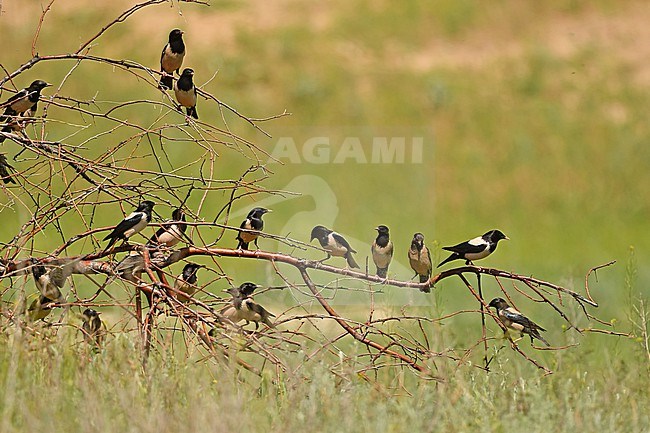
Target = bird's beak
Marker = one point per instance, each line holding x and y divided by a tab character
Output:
507	238
267	210
48	85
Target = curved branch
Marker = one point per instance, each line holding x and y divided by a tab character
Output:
412	363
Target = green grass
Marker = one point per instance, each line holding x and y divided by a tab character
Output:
63	388
548	145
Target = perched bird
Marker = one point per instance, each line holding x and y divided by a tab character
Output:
513	319
420	259
130	268
382	251
475	249
49	282
92	326
252	222
132	224
171	232
186	92
5	167
186	282
171	58
22	104
334	244
40	308
243	307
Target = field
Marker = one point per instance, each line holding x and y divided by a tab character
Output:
523	116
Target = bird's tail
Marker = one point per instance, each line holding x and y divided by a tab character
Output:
351	262
191	111
268	322
382	272
242	245
453	256
110	244
424	279
166	82
537	335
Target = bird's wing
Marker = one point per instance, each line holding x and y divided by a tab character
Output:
519	318
127	223
7	104
473	246
246	224
257	223
257	308
161	231
162	55
341	241
58	277
130	263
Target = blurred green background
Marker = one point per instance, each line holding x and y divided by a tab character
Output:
532	117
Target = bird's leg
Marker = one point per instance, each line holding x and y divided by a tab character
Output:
329	256
469	263
258	247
